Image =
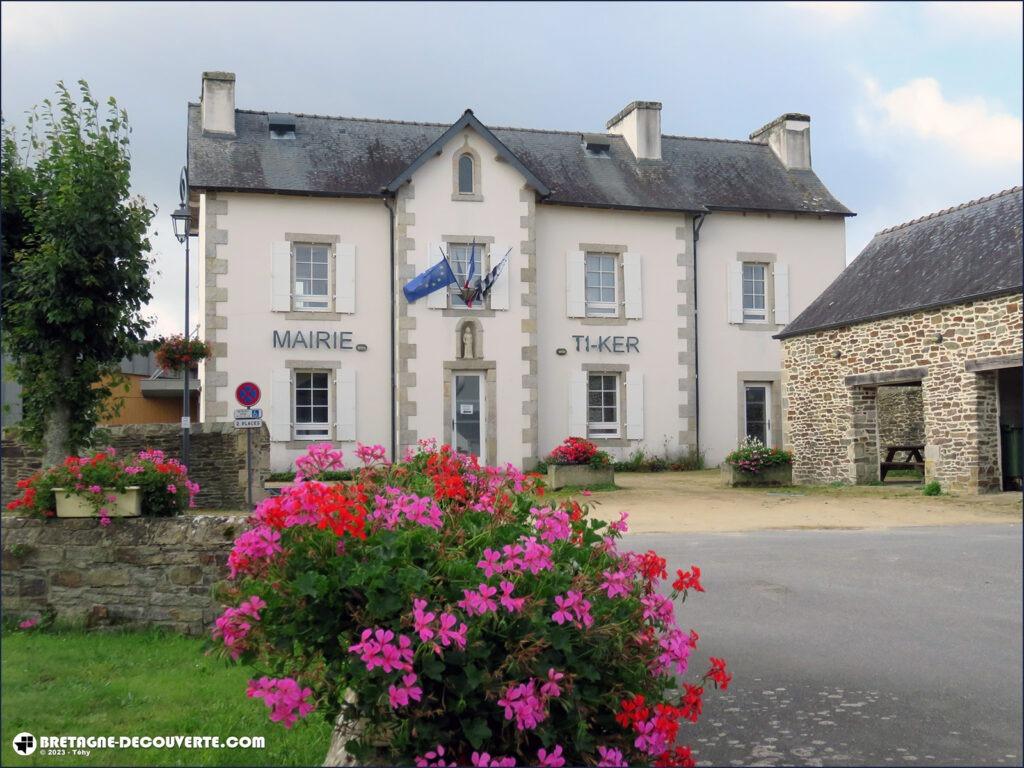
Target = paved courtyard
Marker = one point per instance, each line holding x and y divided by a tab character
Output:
899	646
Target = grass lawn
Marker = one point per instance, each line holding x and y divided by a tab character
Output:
139	684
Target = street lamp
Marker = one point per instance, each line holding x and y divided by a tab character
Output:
182	220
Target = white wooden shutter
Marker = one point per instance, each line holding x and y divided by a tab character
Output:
281	404
280	277
781	294
345	407
634	405
578	404
439	298
633	288
345	279
575	284
499	291
735	292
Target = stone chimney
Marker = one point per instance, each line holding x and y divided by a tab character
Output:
789	137
640	125
218	103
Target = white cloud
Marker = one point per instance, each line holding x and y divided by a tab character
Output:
972	129
833	12
988	19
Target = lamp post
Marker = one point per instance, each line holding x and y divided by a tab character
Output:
182	226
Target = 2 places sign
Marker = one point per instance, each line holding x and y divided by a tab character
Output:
248	394
248	418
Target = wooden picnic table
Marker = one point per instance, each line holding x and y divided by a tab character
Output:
914	459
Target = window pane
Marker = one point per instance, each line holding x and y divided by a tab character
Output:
303	415
319	254
301	269
319	269
320	414
466	175
320	380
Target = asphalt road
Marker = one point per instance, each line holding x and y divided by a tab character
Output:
885	647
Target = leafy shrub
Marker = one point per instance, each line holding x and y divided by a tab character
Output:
752	456
541	468
448	620
657	464
578	450
164	484
934	488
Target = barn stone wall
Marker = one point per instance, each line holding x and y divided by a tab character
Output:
831	380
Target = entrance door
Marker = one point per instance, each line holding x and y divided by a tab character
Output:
468	404
757	406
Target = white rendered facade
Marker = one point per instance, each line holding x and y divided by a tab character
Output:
627	362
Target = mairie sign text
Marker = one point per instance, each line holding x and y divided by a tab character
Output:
313	340
620	344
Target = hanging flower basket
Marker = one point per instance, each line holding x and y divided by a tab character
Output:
175	353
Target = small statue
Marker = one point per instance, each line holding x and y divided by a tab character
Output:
466	348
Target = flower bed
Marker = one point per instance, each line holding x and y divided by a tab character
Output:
753	463
100	479
451	616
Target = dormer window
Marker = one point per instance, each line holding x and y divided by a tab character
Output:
466	175
596	145
281	126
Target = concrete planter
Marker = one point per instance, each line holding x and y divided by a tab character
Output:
781	474
579	475
127	504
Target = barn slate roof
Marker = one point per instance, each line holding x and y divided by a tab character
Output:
960	254
356	157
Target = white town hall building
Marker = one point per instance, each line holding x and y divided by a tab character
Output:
646	277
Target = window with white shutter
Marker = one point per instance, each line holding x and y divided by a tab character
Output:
345	279
602	405
311	400
578	404
781	293
734	292
280	276
601	282
311	271
634	405
575	280
280	404
439	298
345	405
633	286
499	295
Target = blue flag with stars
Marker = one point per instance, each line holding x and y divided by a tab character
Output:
438	276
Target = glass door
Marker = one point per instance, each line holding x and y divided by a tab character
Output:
467	422
757	406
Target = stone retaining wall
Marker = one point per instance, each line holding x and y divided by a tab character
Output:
831	380
136	572
217	459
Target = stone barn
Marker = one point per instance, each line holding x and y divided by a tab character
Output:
911	358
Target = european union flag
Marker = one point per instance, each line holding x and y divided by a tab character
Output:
438	276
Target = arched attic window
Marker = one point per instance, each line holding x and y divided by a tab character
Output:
466	174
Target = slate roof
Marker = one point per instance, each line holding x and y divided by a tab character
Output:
341	156
960	254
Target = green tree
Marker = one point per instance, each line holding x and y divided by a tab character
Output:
75	264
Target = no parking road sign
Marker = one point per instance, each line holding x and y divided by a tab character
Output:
247	394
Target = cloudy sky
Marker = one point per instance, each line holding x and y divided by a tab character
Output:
914	106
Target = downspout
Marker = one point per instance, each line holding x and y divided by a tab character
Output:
394	344
698	222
